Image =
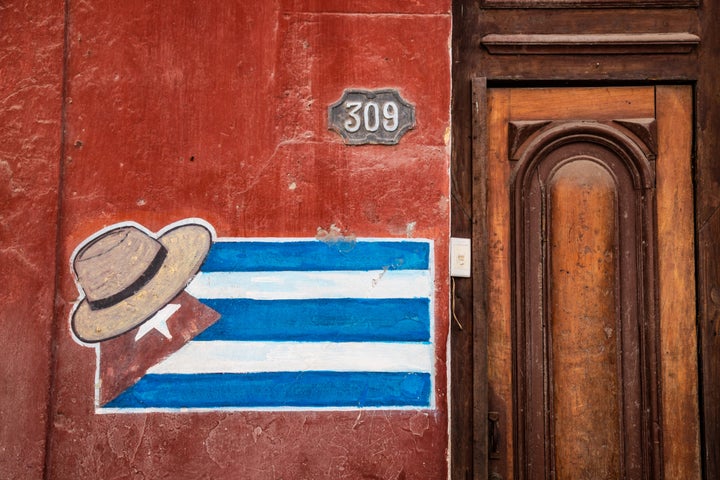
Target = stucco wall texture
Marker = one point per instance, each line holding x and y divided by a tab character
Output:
158	111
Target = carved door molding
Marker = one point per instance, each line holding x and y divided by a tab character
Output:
588	282
583	203
520	44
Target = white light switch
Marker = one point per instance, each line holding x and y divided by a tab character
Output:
460	261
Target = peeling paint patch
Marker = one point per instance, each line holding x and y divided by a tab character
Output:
410	229
257	431
334	236
419	423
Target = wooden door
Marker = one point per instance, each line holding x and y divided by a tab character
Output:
591	339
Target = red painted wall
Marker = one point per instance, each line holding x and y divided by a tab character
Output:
215	110
31	58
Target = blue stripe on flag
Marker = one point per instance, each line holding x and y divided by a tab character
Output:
341	320
253	256
312	389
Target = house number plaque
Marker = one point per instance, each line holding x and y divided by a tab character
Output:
371	117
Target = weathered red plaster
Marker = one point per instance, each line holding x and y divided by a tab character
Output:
31	45
218	110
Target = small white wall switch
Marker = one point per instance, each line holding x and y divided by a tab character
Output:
460	261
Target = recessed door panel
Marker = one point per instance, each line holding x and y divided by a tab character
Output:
582	327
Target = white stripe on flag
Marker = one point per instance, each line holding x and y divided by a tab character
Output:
251	357
291	285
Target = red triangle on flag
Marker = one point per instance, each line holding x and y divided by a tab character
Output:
123	360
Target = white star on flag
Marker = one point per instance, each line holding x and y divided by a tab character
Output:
158	322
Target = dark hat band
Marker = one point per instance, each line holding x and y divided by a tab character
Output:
133	288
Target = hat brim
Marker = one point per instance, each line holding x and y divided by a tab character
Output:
187	246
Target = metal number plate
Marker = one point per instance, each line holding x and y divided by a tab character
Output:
371	117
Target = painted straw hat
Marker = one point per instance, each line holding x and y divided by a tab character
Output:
127	276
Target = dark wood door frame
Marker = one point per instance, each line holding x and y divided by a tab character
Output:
475	67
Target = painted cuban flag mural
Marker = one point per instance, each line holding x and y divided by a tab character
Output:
279	324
